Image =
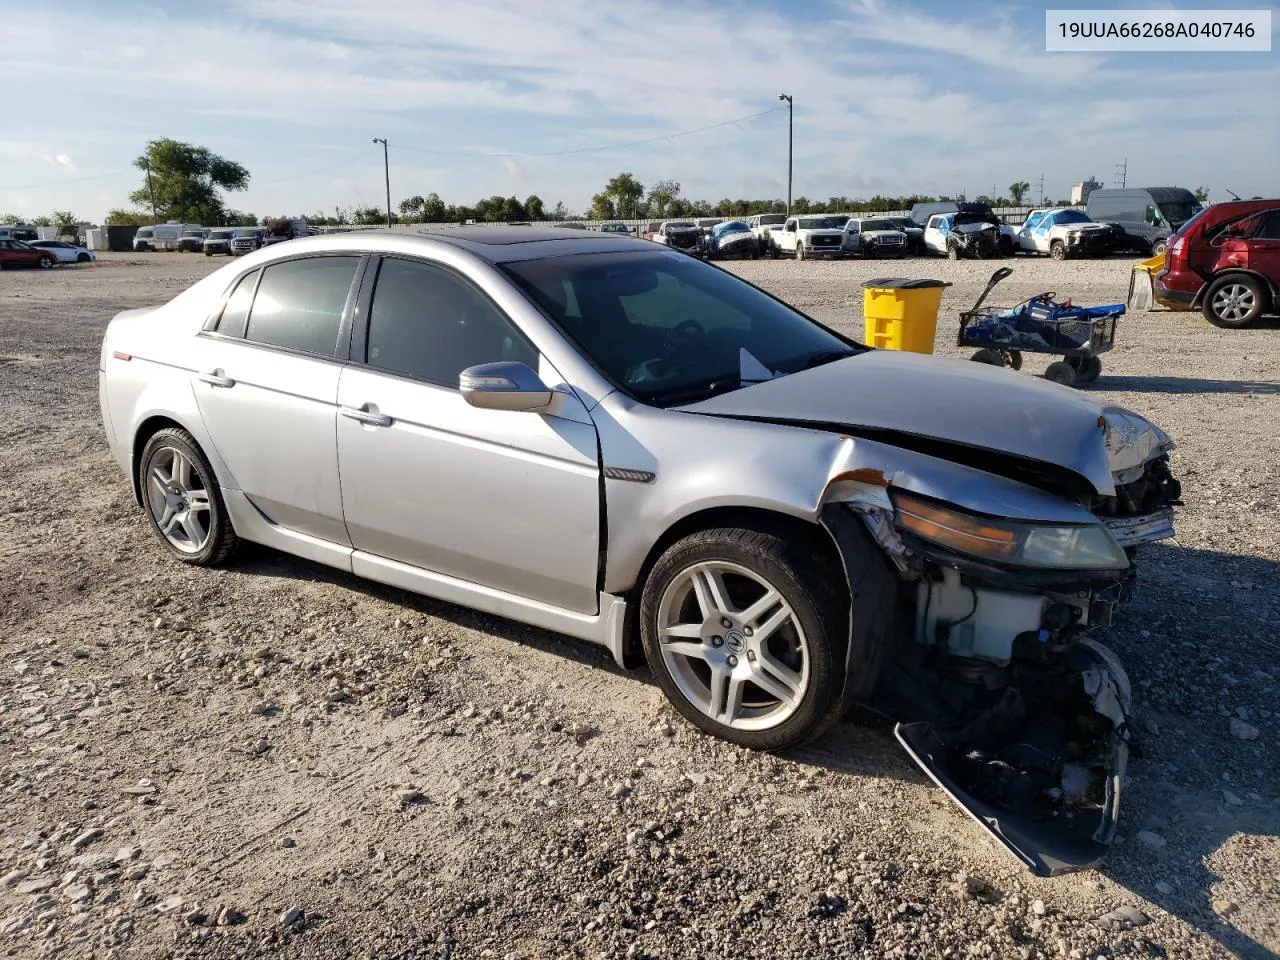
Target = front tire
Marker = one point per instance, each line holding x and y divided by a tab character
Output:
83	258
45	263
799	251
183	501
1234	302
745	632
952	252
1058	250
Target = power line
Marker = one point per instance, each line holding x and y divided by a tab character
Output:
58	183
611	146
312	173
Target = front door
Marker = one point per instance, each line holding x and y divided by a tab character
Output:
503	499
267	389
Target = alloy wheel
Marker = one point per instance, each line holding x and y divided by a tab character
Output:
733	646
178	498
1233	302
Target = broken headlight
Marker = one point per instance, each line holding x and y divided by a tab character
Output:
1042	546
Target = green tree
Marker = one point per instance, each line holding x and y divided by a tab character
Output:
184	182
513	209
1017	190
1202	194
433	209
130	218
41	222
801	205
368	216
602	207
411	210
624	191
533	207
662	195
235	218
559	211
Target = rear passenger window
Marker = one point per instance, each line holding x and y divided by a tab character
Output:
299	304
1270	228
236	312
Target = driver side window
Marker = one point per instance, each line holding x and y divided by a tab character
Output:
429	323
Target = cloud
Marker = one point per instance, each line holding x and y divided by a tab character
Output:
65	161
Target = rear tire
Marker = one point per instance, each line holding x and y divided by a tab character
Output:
1061	372
45	263
762	694
993	357
1234	302
183	502
1087	368
1158	248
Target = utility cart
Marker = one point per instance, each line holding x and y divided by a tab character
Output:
1041	325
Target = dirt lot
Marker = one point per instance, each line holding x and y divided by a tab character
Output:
278	759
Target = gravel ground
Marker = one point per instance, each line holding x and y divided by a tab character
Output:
277	759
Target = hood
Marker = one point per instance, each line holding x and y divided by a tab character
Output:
822	231
954	409
1082	227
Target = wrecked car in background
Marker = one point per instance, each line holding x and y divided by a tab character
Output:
1063	233
681	234
639	449
732	240
766	227
961	235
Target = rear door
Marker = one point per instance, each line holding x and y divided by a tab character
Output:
1264	248
508	500
267	388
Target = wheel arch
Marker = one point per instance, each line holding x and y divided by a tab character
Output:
1272	292
710	518
148	428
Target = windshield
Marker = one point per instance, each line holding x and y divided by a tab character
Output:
1071	216
1178	213
220	235
733	226
193	233
768	218
878	225
670	329
965	219
145	232
679	225
821	223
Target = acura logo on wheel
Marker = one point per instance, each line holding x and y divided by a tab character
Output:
734	642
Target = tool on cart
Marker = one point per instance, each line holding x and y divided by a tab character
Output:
1041	324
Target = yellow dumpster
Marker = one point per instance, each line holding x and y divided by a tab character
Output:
901	314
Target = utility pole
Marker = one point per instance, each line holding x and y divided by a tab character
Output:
1122	173
151	190
790	142
386	169
1040	182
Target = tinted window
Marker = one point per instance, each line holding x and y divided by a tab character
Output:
1270	228
236	311
670	328
299	304
428	322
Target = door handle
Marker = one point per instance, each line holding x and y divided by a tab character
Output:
216	379
367	417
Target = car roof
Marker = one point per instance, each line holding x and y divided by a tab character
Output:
494	244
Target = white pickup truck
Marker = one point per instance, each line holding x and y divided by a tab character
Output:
1064	232
811	236
766	227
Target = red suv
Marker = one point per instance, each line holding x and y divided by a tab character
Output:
15	253
1225	261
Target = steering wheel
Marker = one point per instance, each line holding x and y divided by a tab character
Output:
684	334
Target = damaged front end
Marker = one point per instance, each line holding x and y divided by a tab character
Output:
1000	696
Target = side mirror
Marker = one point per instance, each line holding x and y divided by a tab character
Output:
505	385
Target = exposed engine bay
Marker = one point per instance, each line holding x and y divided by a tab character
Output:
1000	696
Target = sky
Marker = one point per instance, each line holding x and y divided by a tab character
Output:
891	97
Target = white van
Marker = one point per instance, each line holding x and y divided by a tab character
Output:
161	236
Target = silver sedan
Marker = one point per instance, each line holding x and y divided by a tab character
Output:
622	443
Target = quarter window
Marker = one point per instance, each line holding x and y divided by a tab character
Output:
236	311
299	304
428	322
